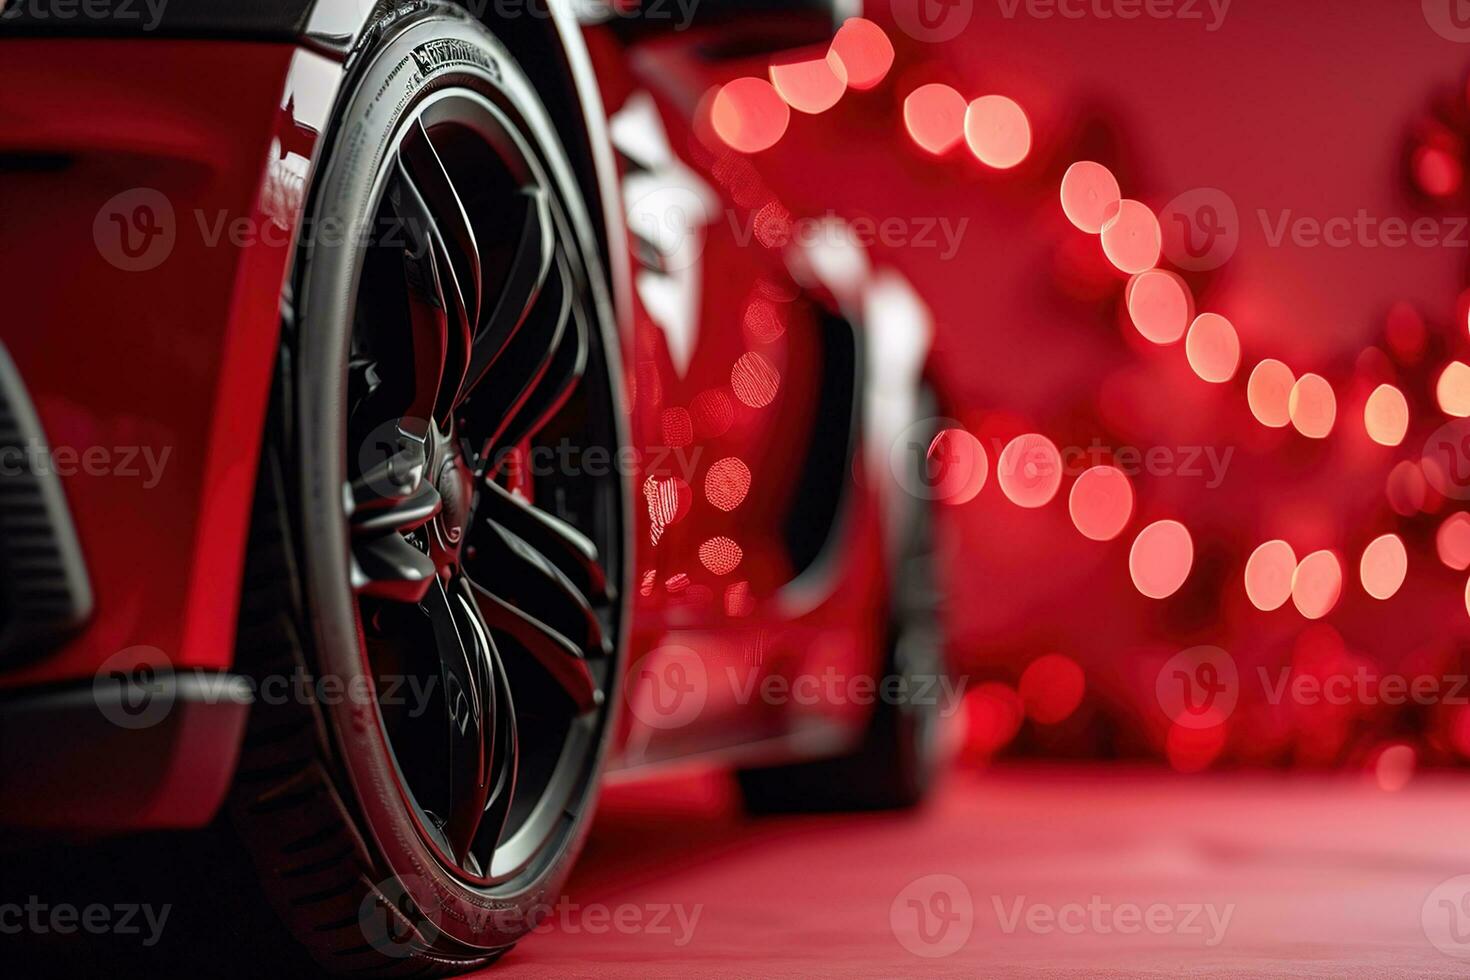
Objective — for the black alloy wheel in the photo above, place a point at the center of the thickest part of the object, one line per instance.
(419, 544)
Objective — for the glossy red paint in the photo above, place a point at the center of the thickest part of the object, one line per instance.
(164, 340)
(747, 394)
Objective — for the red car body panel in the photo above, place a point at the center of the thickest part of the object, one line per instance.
(178, 359)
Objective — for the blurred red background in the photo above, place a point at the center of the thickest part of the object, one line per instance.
(1282, 112)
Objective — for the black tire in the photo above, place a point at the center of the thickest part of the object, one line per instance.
(325, 799)
(896, 764)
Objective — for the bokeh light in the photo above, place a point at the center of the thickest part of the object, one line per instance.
(1131, 239)
(1383, 567)
(1160, 305)
(1386, 415)
(1394, 767)
(934, 115)
(1317, 584)
(1030, 470)
(726, 483)
(676, 427)
(749, 116)
(810, 86)
(1161, 558)
(957, 466)
(1452, 390)
(754, 380)
(1090, 196)
(1452, 541)
(997, 131)
(1051, 688)
(721, 555)
(713, 413)
(993, 716)
(1269, 393)
(865, 52)
(1268, 574)
(1194, 747)
(1101, 502)
(1313, 406)
(1213, 348)
(1405, 488)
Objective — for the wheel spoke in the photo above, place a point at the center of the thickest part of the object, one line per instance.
(388, 567)
(387, 500)
(465, 662)
(551, 651)
(557, 383)
(433, 282)
(520, 369)
(520, 575)
(571, 550)
(427, 171)
(529, 269)
(506, 761)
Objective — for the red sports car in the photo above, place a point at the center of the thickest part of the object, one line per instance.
(413, 412)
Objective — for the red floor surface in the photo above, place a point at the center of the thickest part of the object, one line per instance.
(1240, 875)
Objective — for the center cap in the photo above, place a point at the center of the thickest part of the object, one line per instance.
(454, 486)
